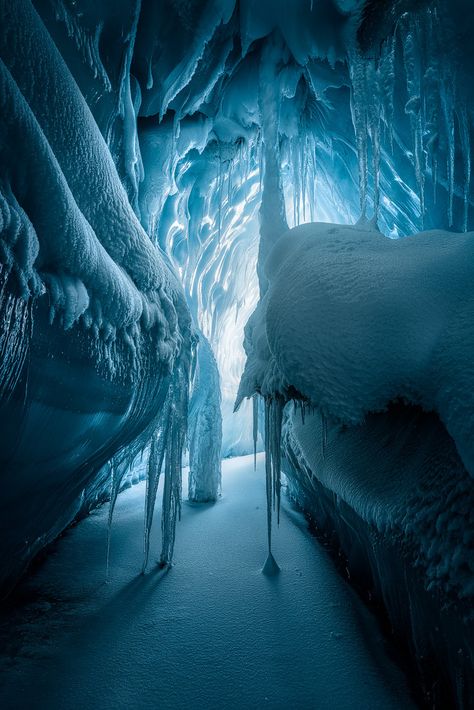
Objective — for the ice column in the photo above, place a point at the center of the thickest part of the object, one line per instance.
(205, 428)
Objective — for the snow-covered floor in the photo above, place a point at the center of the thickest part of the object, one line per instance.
(211, 633)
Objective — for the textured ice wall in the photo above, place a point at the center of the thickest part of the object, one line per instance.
(394, 503)
(93, 320)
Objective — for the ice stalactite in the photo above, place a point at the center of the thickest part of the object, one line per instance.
(465, 140)
(272, 211)
(414, 106)
(154, 469)
(366, 103)
(359, 118)
(86, 41)
(273, 223)
(165, 456)
(119, 465)
(274, 406)
(255, 428)
(414, 75)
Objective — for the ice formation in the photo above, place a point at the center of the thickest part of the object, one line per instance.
(205, 428)
(353, 321)
(171, 171)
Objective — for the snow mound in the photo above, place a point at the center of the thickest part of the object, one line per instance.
(353, 321)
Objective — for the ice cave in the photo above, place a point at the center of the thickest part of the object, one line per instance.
(236, 354)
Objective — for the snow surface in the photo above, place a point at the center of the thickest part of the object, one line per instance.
(212, 632)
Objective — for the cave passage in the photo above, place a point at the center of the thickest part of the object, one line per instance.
(229, 226)
(212, 632)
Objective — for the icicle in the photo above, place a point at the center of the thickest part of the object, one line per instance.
(465, 139)
(387, 83)
(448, 110)
(155, 465)
(86, 42)
(273, 220)
(359, 101)
(277, 414)
(255, 429)
(411, 48)
(173, 469)
(273, 421)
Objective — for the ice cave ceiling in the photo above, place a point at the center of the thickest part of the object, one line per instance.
(369, 110)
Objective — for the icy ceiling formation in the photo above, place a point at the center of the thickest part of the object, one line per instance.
(366, 101)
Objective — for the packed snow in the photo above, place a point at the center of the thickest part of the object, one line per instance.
(211, 632)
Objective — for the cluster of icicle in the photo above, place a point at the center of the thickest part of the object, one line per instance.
(274, 410)
(16, 324)
(87, 42)
(164, 443)
(412, 64)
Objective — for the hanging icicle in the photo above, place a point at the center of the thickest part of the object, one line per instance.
(273, 421)
(255, 429)
(359, 101)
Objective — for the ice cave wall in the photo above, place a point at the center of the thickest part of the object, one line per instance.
(94, 321)
(149, 152)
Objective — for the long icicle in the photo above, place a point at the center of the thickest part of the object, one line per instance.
(155, 466)
(273, 409)
(255, 429)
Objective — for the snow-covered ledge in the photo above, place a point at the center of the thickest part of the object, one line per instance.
(373, 338)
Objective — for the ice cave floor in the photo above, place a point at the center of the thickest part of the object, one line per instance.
(213, 632)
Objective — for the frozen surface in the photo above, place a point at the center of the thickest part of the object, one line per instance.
(212, 632)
